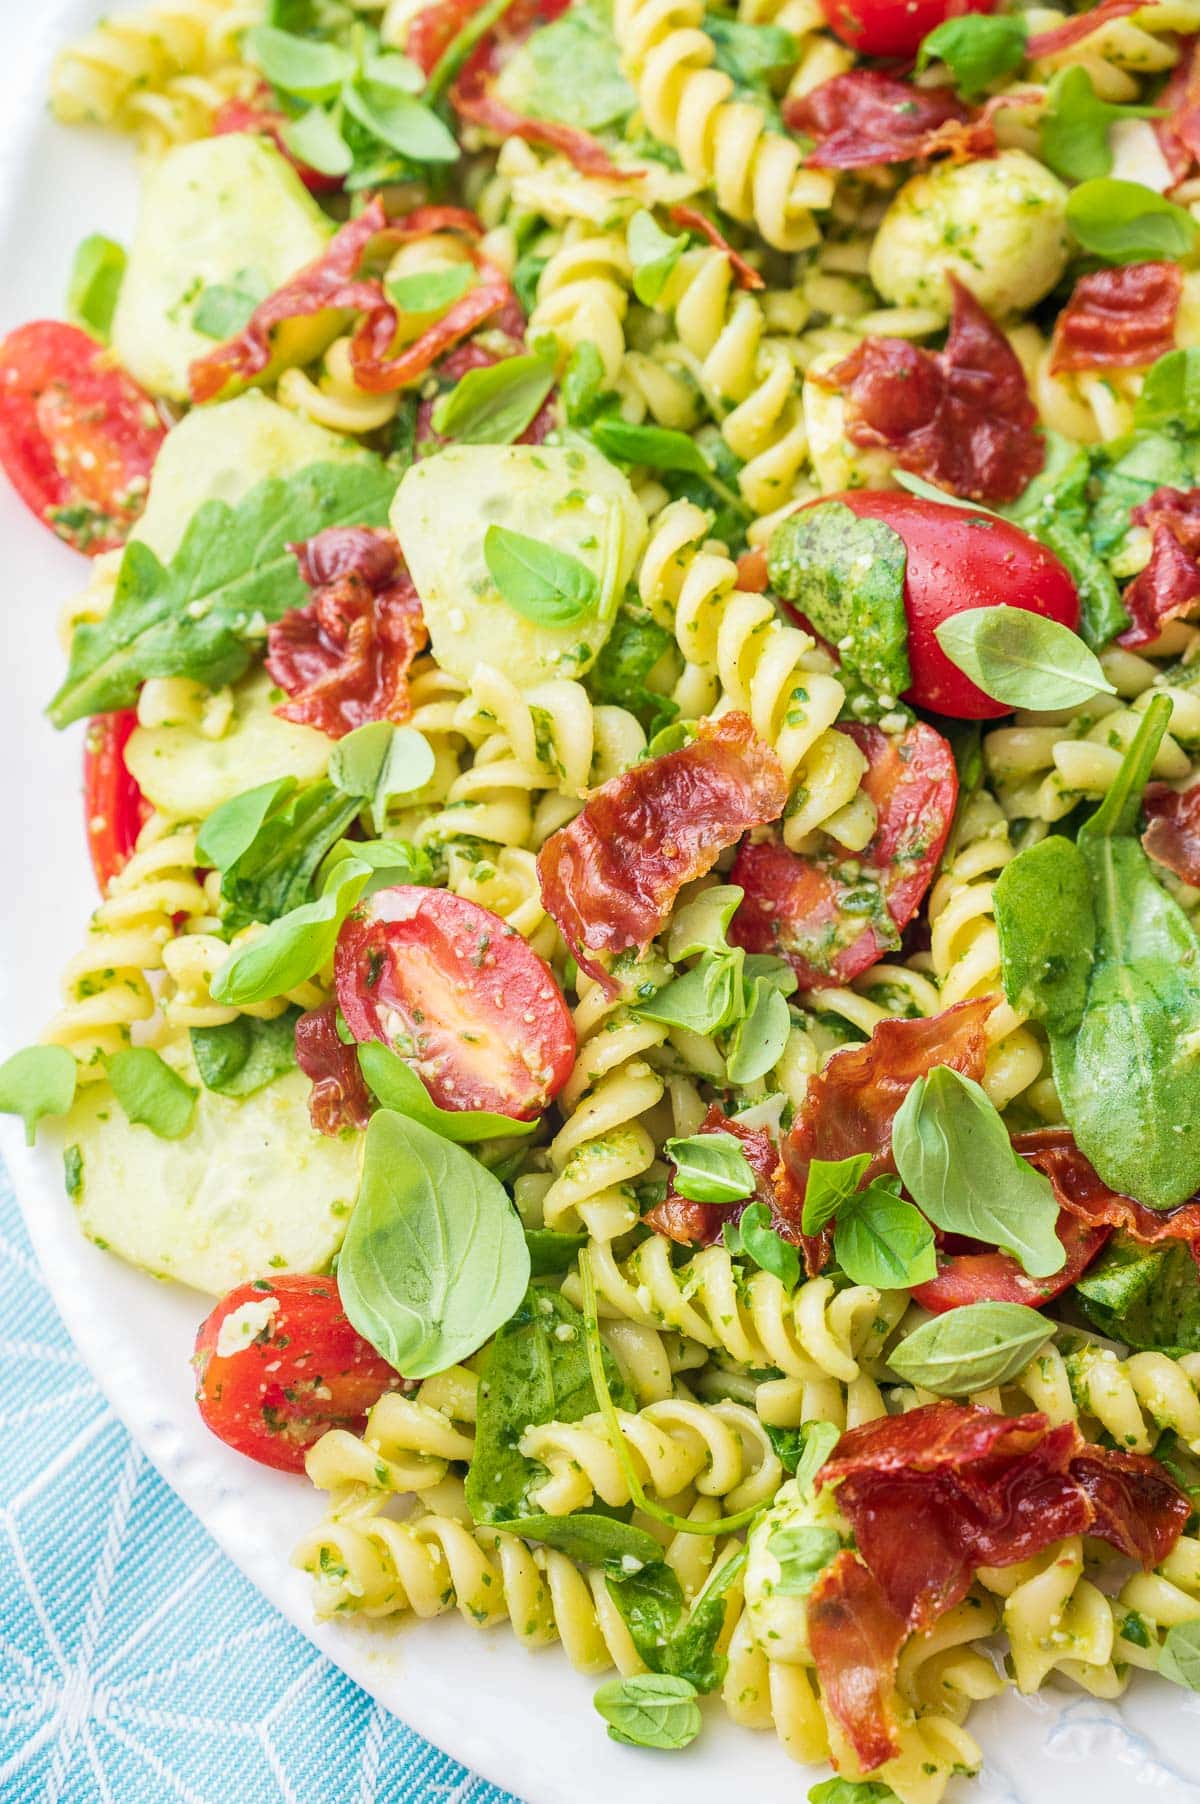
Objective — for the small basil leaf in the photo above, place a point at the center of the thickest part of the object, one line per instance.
(881, 1239)
(654, 255)
(1022, 659)
(314, 139)
(1179, 1660)
(275, 871)
(232, 828)
(971, 1348)
(977, 49)
(298, 65)
(293, 948)
(224, 308)
(1126, 222)
(765, 967)
(1047, 931)
(390, 861)
(547, 586)
(711, 1168)
(846, 575)
(703, 1000)
(703, 924)
(395, 74)
(1171, 393)
(552, 1252)
(397, 1087)
(151, 1094)
(820, 1439)
(591, 1539)
(583, 385)
(657, 447)
(957, 1162)
(1075, 124)
(430, 290)
(650, 1710)
(243, 1055)
(758, 1040)
(403, 124)
(95, 283)
(37, 1081)
(830, 1183)
(494, 406)
(379, 761)
(803, 1554)
(434, 1259)
(769, 1251)
(852, 1791)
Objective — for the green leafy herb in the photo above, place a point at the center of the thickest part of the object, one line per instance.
(398, 1087)
(831, 1182)
(702, 925)
(1047, 932)
(73, 1172)
(803, 1554)
(1148, 1297)
(1075, 124)
(390, 861)
(1101, 615)
(378, 761)
(223, 309)
(296, 946)
(1171, 393)
(273, 872)
(493, 406)
(151, 1094)
(654, 255)
(846, 575)
(570, 72)
(650, 1710)
(820, 1439)
(752, 54)
(852, 1791)
(758, 1040)
(880, 1239)
(1125, 222)
(298, 65)
(710, 1168)
(634, 649)
(971, 1348)
(430, 290)
(200, 615)
(1022, 659)
(434, 1260)
(978, 49)
(1179, 1660)
(582, 387)
(552, 1251)
(243, 1055)
(668, 1638)
(660, 448)
(37, 1081)
(754, 1236)
(547, 586)
(315, 138)
(404, 124)
(704, 1000)
(590, 1538)
(957, 1162)
(95, 284)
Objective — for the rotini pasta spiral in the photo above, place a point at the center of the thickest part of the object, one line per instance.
(407, 1445)
(1153, 1603)
(583, 294)
(1133, 1399)
(1056, 1620)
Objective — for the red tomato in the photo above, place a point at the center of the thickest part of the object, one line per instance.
(892, 27)
(998, 1278)
(270, 1383)
(78, 436)
(454, 990)
(115, 810)
(816, 910)
(957, 561)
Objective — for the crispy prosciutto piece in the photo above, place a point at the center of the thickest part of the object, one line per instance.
(1073, 31)
(344, 658)
(1172, 836)
(693, 220)
(866, 117)
(1118, 318)
(988, 1276)
(610, 878)
(684, 1220)
(855, 1637)
(1170, 582)
(1138, 1508)
(338, 1098)
(1178, 131)
(962, 417)
(1080, 1190)
(816, 910)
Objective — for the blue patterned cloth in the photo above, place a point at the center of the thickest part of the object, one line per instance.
(136, 1664)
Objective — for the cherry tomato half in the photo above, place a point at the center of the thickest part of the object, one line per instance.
(893, 27)
(957, 561)
(115, 810)
(277, 1363)
(457, 992)
(998, 1278)
(834, 914)
(78, 436)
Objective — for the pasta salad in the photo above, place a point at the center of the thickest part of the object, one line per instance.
(641, 670)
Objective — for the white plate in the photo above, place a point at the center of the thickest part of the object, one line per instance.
(526, 1724)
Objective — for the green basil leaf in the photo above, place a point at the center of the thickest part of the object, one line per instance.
(276, 872)
(395, 74)
(224, 308)
(1075, 124)
(430, 290)
(978, 49)
(1125, 222)
(654, 255)
(846, 575)
(703, 1000)
(551, 1251)
(570, 72)
(702, 925)
(1171, 393)
(1179, 1660)
(650, 1710)
(403, 124)
(710, 1168)
(397, 1087)
(232, 828)
(298, 65)
(95, 283)
(754, 1236)
(669, 1639)
(378, 761)
(315, 140)
(830, 1183)
(434, 1260)
(766, 967)
(758, 1040)
(1047, 932)
(820, 1439)
(1024, 660)
(957, 1162)
(657, 447)
(881, 1239)
(151, 1094)
(853, 1791)
(929, 491)
(547, 586)
(494, 406)
(202, 615)
(591, 1539)
(583, 387)
(803, 1554)
(971, 1348)
(37, 1081)
(293, 948)
(390, 861)
(243, 1055)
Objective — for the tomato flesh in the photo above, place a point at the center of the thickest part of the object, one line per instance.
(965, 1278)
(78, 436)
(115, 810)
(278, 1363)
(458, 994)
(892, 27)
(957, 561)
(834, 914)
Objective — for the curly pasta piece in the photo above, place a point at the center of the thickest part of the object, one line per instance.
(1119, 52)
(407, 1445)
(1056, 1620)
(1153, 1603)
(192, 960)
(1137, 1398)
(1044, 764)
(583, 294)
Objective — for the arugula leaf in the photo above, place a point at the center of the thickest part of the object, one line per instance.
(296, 946)
(978, 49)
(493, 406)
(95, 284)
(830, 1183)
(398, 1087)
(1171, 392)
(846, 575)
(971, 1348)
(37, 1081)
(1101, 614)
(880, 1239)
(547, 586)
(754, 1236)
(1047, 931)
(1075, 124)
(1022, 659)
(650, 1710)
(243, 1055)
(201, 615)
(1148, 1297)
(634, 649)
(654, 255)
(710, 1168)
(150, 1092)
(378, 761)
(1126, 222)
(1128, 474)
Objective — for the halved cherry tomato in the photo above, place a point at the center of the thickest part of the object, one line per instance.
(956, 561)
(998, 1278)
(457, 992)
(893, 27)
(833, 914)
(78, 436)
(115, 810)
(277, 1363)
